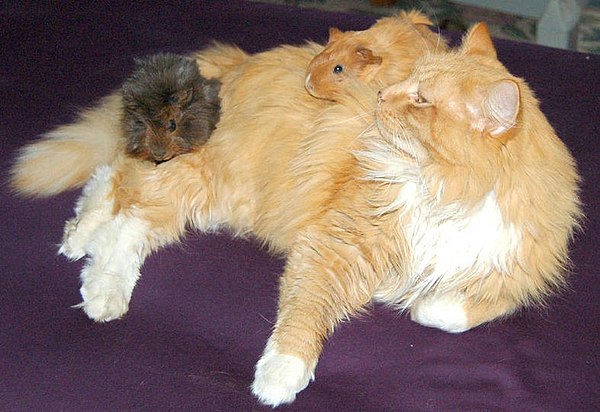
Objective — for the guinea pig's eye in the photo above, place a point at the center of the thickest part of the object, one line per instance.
(338, 69)
(172, 125)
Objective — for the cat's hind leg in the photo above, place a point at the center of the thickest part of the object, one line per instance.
(460, 310)
(446, 312)
(150, 209)
(114, 245)
(112, 269)
(93, 208)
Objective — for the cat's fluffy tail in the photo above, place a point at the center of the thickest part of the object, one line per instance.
(216, 60)
(66, 157)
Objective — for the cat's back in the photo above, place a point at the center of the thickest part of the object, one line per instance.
(271, 78)
(282, 152)
(266, 110)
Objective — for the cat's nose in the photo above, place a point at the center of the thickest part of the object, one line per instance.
(380, 97)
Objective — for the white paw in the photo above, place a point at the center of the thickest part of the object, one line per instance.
(72, 246)
(94, 208)
(105, 298)
(445, 312)
(279, 377)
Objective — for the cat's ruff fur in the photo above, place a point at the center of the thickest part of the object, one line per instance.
(380, 55)
(356, 212)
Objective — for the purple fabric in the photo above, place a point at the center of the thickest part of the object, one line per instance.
(203, 310)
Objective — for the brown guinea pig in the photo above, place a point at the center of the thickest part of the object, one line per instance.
(384, 53)
(169, 108)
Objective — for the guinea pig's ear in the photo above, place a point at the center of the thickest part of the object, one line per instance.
(188, 71)
(334, 34)
(210, 89)
(366, 56)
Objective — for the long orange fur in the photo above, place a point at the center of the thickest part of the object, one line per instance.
(291, 178)
(315, 181)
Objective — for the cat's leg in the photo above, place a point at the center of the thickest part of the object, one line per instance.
(445, 311)
(151, 208)
(460, 310)
(93, 208)
(107, 240)
(323, 284)
(112, 269)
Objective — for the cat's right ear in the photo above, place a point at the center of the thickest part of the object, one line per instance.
(478, 41)
(334, 34)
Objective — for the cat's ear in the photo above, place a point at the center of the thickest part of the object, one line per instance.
(366, 56)
(416, 17)
(501, 107)
(334, 34)
(478, 41)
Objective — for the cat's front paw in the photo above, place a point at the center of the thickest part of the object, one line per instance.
(280, 377)
(445, 312)
(72, 246)
(104, 297)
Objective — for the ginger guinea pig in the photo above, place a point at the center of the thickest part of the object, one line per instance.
(384, 53)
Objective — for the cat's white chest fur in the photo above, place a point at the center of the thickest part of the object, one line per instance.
(448, 245)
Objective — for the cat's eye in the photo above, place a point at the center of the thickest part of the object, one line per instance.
(172, 125)
(338, 69)
(418, 100)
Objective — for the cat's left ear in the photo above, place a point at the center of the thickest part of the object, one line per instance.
(500, 107)
(478, 41)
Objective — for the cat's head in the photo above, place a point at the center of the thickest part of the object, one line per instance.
(456, 107)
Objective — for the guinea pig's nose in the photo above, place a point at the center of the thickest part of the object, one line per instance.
(159, 153)
(379, 97)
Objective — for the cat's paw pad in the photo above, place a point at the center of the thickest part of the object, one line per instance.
(279, 378)
(72, 246)
(103, 300)
(444, 312)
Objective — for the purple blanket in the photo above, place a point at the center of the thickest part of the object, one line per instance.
(203, 310)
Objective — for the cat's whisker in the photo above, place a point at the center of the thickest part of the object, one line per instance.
(423, 39)
(353, 118)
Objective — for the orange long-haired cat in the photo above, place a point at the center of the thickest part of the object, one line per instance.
(448, 195)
